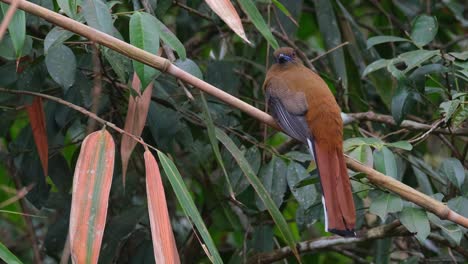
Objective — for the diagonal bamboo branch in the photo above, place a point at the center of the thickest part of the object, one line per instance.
(421, 199)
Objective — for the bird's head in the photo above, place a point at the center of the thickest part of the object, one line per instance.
(285, 55)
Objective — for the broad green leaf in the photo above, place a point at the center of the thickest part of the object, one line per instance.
(17, 29)
(352, 143)
(385, 204)
(189, 207)
(363, 154)
(374, 66)
(423, 180)
(424, 30)
(416, 221)
(451, 231)
(459, 205)
(259, 189)
(170, 39)
(416, 58)
(69, 7)
(449, 108)
(273, 177)
(56, 37)
(120, 64)
(400, 103)
(401, 145)
(460, 116)
(307, 195)
(384, 161)
(7, 256)
(61, 64)
(254, 15)
(454, 171)
(143, 36)
(7, 50)
(98, 16)
(460, 55)
(328, 25)
(383, 39)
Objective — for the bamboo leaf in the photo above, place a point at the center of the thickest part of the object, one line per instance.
(135, 120)
(7, 256)
(259, 189)
(91, 186)
(164, 246)
(17, 29)
(187, 204)
(226, 11)
(38, 125)
(254, 15)
(143, 36)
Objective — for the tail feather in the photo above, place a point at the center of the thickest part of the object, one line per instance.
(337, 196)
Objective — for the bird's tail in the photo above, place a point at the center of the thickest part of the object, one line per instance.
(337, 198)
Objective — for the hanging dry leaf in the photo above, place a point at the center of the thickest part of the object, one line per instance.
(135, 121)
(37, 119)
(164, 246)
(226, 11)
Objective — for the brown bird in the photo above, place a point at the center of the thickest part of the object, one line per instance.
(304, 107)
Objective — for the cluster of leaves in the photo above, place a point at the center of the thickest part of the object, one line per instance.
(236, 188)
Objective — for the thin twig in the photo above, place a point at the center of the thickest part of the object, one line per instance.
(329, 51)
(423, 136)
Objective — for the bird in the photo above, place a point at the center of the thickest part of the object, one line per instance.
(304, 107)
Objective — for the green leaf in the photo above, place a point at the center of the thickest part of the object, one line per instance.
(416, 221)
(7, 256)
(383, 39)
(273, 176)
(454, 171)
(400, 103)
(415, 58)
(374, 66)
(449, 108)
(385, 204)
(187, 204)
(7, 50)
(424, 30)
(17, 29)
(451, 231)
(363, 154)
(69, 7)
(254, 15)
(422, 178)
(170, 39)
(384, 161)
(56, 37)
(119, 63)
(401, 145)
(61, 64)
(98, 16)
(307, 195)
(259, 189)
(328, 25)
(143, 36)
(460, 116)
(214, 142)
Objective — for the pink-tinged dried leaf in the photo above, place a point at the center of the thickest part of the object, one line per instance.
(135, 121)
(37, 119)
(226, 11)
(164, 246)
(91, 186)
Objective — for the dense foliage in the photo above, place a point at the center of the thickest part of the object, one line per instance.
(401, 74)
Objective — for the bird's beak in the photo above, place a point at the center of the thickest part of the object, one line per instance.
(283, 58)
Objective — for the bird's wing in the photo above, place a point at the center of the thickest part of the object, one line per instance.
(288, 107)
